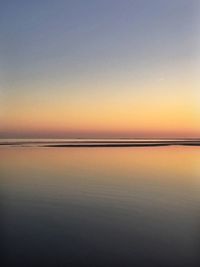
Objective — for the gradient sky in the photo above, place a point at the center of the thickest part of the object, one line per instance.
(99, 68)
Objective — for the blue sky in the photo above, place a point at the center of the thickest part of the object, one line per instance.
(97, 49)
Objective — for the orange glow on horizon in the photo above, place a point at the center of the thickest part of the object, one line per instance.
(161, 114)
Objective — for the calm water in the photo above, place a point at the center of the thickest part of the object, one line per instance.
(135, 206)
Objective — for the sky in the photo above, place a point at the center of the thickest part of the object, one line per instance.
(99, 68)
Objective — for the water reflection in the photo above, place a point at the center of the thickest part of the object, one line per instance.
(100, 206)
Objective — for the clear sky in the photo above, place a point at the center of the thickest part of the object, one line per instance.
(99, 68)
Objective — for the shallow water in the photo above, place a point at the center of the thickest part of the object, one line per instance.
(135, 206)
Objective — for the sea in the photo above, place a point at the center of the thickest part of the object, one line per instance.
(100, 202)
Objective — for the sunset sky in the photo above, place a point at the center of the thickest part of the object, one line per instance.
(99, 68)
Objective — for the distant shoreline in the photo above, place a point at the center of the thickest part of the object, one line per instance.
(101, 143)
(105, 145)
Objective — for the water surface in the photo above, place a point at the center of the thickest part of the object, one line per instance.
(100, 206)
